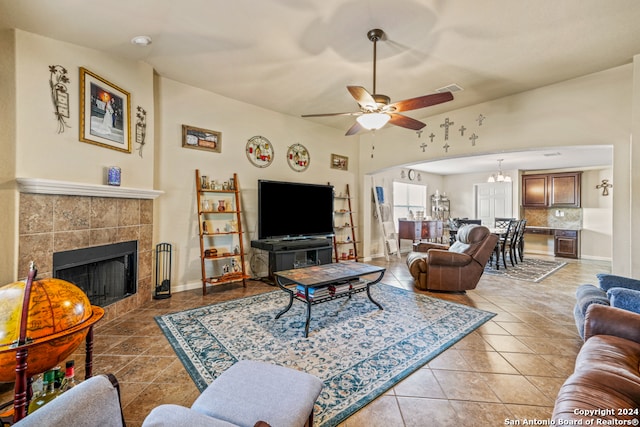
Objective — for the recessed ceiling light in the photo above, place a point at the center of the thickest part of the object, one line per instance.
(141, 40)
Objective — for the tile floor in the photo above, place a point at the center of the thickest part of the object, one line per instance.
(510, 368)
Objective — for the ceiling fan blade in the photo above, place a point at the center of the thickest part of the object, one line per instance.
(331, 114)
(406, 122)
(357, 127)
(362, 97)
(421, 102)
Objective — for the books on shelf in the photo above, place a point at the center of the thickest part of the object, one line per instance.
(316, 293)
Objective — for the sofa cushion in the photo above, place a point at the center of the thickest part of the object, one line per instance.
(606, 376)
(174, 415)
(585, 296)
(589, 294)
(616, 355)
(251, 391)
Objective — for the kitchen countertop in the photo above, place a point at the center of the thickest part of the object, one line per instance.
(538, 227)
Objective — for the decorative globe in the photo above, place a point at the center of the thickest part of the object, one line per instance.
(59, 318)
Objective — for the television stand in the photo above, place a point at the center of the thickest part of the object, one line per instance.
(287, 254)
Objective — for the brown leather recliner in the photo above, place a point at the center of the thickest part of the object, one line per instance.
(604, 388)
(454, 268)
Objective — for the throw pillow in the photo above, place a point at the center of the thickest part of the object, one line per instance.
(463, 232)
(627, 299)
(459, 247)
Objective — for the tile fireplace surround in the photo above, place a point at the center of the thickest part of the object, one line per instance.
(87, 215)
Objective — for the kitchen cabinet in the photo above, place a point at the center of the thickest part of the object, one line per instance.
(534, 191)
(551, 190)
(566, 243)
(565, 190)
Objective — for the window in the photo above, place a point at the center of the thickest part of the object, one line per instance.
(408, 197)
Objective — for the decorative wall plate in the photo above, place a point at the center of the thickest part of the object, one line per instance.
(298, 157)
(259, 151)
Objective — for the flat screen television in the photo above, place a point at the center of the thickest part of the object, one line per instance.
(294, 210)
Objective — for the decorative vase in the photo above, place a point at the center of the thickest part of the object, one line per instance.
(221, 206)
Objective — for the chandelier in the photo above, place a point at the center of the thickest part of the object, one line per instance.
(499, 177)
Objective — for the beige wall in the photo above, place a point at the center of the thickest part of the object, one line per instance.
(44, 153)
(589, 110)
(594, 109)
(8, 195)
(175, 167)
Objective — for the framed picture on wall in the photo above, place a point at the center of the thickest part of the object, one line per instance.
(104, 113)
(339, 162)
(201, 139)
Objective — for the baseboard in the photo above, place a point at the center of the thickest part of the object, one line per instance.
(187, 286)
(596, 258)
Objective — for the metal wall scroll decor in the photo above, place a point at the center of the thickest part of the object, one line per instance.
(259, 151)
(605, 185)
(58, 81)
(141, 128)
(298, 157)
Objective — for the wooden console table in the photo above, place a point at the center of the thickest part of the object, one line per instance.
(417, 230)
(345, 278)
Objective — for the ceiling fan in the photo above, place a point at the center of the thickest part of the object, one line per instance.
(376, 110)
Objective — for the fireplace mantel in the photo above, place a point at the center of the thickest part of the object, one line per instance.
(48, 186)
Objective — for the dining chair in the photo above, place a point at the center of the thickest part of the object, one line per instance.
(512, 242)
(502, 222)
(520, 240)
(504, 243)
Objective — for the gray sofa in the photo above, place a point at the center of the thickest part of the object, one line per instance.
(612, 290)
(249, 394)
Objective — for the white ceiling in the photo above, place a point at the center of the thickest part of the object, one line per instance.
(297, 56)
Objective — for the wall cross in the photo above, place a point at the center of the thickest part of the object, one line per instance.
(605, 187)
(446, 125)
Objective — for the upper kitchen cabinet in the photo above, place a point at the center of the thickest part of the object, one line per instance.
(565, 189)
(551, 190)
(534, 191)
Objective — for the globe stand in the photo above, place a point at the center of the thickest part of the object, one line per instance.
(64, 342)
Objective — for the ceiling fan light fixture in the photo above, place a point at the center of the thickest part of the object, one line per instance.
(141, 41)
(373, 121)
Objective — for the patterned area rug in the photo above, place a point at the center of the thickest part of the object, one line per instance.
(531, 269)
(357, 350)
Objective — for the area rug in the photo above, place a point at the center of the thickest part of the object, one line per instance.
(531, 269)
(356, 349)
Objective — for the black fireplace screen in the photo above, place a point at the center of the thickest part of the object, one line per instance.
(105, 273)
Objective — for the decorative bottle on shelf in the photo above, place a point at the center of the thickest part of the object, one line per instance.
(47, 395)
(69, 380)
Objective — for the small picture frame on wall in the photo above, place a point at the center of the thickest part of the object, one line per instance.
(104, 113)
(201, 139)
(339, 162)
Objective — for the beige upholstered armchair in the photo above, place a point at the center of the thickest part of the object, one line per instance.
(454, 268)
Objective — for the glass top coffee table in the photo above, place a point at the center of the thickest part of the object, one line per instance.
(326, 282)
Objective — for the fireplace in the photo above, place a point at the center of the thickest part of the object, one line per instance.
(107, 273)
(57, 216)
